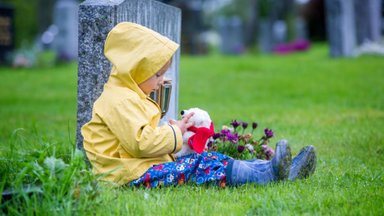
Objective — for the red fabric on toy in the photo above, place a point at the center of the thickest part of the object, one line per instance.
(198, 140)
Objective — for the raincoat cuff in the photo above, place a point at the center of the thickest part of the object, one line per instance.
(178, 137)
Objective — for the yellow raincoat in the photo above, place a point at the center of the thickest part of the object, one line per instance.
(123, 138)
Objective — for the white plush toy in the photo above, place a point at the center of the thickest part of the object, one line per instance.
(196, 138)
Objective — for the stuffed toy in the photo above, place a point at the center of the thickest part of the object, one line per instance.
(196, 138)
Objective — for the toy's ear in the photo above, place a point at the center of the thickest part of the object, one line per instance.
(192, 119)
(204, 120)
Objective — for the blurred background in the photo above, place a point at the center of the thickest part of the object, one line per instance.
(44, 32)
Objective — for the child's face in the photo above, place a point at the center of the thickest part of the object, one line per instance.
(155, 81)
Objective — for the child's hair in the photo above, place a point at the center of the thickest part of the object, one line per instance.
(164, 68)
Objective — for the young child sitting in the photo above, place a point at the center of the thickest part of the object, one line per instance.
(124, 142)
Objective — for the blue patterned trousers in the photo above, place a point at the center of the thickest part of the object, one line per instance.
(207, 167)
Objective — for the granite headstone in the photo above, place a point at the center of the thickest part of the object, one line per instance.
(341, 27)
(265, 37)
(96, 19)
(368, 21)
(231, 34)
(66, 18)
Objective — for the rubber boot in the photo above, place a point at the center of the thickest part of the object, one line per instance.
(261, 171)
(304, 164)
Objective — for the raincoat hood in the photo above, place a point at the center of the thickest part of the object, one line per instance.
(136, 54)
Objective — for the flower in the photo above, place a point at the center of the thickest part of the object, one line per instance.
(180, 167)
(233, 143)
(233, 138)
(209, 145)
(216, 136)
(240, 148)
(254, 125)
(269, 152)
(235, 124)
(246, 137)
(170, 178)
(225, 131)
(227, 128)
(268, 133)
(250, 148)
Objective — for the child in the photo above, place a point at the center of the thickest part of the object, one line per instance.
(124, 142)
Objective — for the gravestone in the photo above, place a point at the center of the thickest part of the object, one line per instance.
(280, 31)
(65, 18)
(301, 28)
(268, 11)
(231, 34)
(341, 27)
(265, 38)
(6, 31)
(368, 21)
(96, 19)
(192, 26)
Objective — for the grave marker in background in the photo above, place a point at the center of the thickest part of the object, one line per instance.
(65, 18)
(232, 37)
(341, 27)
(350, 23)
(368, 21)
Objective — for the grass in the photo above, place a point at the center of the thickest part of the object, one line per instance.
(308, 98)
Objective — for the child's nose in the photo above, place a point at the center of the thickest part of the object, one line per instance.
(161, 82)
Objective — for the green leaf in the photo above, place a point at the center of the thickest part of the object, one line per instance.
(55, 165)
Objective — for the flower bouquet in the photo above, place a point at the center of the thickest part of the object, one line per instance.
(236, 142)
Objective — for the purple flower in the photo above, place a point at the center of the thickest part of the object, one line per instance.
(254, 125)
(268, 133)
(268, 151)
(235, 124)
(244, 125)
(216, 136)
(250, 148)
(233, 138)
(285, 48)
(210, 143)
(301, 45)
(240, 148)
(225, 131)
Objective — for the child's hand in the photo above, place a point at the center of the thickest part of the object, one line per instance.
(184, 123)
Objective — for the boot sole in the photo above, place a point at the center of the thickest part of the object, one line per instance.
(284, 165)
(308, 168)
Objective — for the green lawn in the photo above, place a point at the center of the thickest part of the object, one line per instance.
(307, 98)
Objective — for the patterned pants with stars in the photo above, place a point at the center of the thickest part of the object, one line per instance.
(207, 167)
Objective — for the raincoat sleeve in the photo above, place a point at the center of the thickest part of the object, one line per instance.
(141, 137)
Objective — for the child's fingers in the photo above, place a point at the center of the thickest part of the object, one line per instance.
(188, 116)
(189, 124)
(171, 121)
